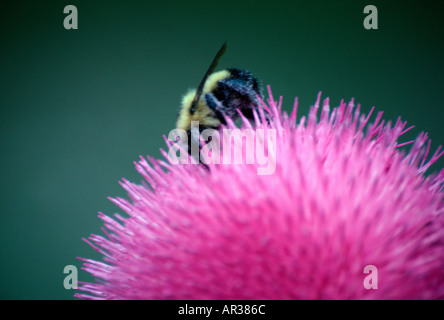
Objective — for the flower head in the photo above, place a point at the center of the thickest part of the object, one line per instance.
(343, 196)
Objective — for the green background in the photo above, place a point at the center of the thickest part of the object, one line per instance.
(79, 106)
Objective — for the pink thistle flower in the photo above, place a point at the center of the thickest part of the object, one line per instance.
(343, 196)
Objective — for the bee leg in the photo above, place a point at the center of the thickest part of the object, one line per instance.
(217, 107)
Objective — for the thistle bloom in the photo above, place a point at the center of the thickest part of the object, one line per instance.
(343, 196)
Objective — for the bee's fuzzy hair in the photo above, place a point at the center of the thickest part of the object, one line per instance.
(203, 114)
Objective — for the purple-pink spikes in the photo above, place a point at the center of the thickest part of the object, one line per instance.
(345, 196)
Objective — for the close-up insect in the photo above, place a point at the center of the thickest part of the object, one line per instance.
(144, 161)
(220, 94)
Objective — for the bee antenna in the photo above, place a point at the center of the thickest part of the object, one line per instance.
(210, 70)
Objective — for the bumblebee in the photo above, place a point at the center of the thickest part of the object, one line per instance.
(219, 95)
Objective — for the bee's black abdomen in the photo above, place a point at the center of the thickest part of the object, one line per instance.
(251, 81)
(237, 92)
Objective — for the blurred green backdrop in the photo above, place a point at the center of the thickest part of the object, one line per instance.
(79, 106)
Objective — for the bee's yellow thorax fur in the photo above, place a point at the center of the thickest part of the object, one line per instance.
(203, 113)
